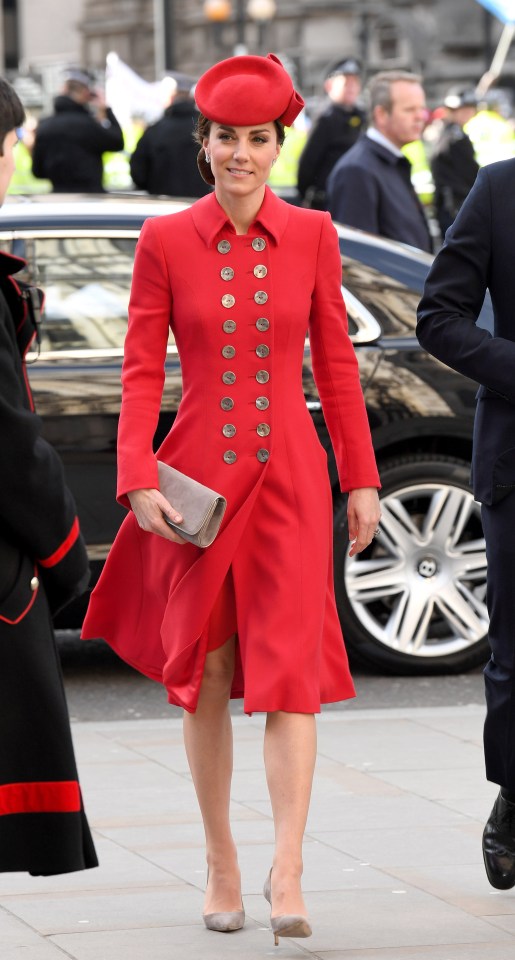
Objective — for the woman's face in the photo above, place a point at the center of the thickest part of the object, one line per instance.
(241, 157)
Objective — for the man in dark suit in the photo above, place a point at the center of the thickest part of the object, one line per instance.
(370, 186)
(478, 255)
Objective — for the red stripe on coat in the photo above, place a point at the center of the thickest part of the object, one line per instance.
(64, 548)
(45, 797)
(24, 612)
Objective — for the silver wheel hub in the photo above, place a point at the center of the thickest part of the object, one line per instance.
(420, 588)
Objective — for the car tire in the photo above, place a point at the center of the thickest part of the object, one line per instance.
(414, 602)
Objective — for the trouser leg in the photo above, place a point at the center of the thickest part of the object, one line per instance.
(499, 730)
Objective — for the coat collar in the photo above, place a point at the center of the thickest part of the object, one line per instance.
(211, 220)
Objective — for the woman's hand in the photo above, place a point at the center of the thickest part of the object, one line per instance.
(363, 515)
(148, 507)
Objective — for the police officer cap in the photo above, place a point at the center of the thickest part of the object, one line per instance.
(349, 66)
(79, 76)
(243, 91)
(460, 97)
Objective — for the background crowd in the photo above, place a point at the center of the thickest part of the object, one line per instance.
(355, 149)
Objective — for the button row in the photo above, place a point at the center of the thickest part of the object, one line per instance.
(262, 324)
(231, 457)
(228, 300)
(262, 351)
(262, 429)
(258, 244)
(262, 403)
(260, 271)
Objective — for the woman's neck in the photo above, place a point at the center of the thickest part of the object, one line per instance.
(242, 211)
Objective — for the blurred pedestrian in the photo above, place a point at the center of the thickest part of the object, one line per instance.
(453, 163)
(43, 565)
(478, 255)
(333, 133)
(68, 146)
(165, 158)
(240, 276)
(370, 187)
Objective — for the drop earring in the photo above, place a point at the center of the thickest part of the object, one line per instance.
(208, 158)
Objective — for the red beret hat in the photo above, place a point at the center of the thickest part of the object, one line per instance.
(243, 91)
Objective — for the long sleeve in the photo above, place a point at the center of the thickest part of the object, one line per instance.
(37, 511)
(454, 292)
(336, 373)
(143, 372)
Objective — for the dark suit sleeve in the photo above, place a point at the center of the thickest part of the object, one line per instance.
(38, 159)
(453, 296)
(353, 197)
(107, 136)
(37, 511)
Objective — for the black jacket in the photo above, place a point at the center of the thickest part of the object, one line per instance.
(69, 145)
(370, 188)
(454, 169)
(333, 133)
(165, 158)
(43, 826)
(478, 255)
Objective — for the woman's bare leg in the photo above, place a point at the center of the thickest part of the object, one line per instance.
(208, 742)
(290, 754)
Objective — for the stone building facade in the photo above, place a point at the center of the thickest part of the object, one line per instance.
(446, 41)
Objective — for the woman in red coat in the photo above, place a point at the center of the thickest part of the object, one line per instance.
(240, 277)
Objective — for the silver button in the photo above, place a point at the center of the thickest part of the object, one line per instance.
(262, 350)
(227, 273)
(229, 377)
(228, 352)
(230, 456)
(229, 326)
(261, 296)
(227, 403)
(263, 429)
(262, 376)
(228, 429)
(262, 324)
(34, 584)
(258, 244)
(223, 247)
(263, 455)
(260, 271)
(228, 300)
(262, 403)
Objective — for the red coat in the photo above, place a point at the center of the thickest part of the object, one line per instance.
(154, 598)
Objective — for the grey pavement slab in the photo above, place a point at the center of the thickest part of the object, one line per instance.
(392, 858)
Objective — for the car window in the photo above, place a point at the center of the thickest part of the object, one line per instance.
(86, 281)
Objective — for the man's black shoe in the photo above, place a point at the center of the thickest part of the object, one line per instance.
(499, 844)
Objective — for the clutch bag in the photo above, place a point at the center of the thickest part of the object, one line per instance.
(202, 509)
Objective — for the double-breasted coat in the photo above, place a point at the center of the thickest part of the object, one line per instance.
(43, 564)
(239, 308)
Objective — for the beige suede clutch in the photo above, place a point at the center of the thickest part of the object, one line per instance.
(202, 509)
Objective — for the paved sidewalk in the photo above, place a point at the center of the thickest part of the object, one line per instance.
(393, 867)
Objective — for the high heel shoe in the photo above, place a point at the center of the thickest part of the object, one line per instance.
(225, 921)
(287, 924)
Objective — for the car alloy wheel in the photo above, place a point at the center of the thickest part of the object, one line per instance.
(415, 600)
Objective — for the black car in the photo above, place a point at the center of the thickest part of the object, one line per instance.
(414, 602)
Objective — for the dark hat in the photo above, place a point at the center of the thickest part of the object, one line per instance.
(243, 91)
(460, 97)
(349, 66)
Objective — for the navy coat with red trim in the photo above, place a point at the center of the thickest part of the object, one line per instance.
(38, 517)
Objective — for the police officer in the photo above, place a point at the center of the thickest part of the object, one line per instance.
(333, 133)
(453, 163)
